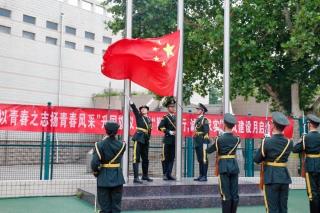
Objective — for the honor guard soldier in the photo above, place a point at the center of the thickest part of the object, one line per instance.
(227, 168)
(168, 127)
(201, 141)
(310, 147)
(141, 140)
(273, 156)
(106, 167)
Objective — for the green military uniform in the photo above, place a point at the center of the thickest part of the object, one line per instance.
(168, 125)
(228, 169)
(141, 143)
(201, 141)
(273, 154)
(106, 167)
(310, 146)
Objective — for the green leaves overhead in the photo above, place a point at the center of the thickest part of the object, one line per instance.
(273, 44)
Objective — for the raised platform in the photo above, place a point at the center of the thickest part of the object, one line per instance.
(174, 195)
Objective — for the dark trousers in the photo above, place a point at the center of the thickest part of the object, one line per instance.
(228, 184)
(109, 199)
(313, 191)
(168, 156)
(229, 187)
(276, 197)
(201, 152)
(141, 150)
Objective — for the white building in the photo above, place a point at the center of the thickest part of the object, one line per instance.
(51, 50)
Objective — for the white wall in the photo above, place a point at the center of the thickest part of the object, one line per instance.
(29, 70)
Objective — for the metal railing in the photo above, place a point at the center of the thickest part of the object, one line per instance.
(37, 156)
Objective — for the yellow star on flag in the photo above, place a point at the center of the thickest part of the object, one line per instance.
(168, 49)
(156, 58)
(163, 63)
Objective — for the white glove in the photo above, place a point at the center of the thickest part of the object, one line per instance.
(220, 131)
(172, 132)
(130, 100)
(267, 135)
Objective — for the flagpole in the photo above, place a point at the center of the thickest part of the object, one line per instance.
(179, 138)
(226, 57)
(127, 88)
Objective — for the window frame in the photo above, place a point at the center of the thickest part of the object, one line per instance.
(54, 23)
(25, 16)
(5, 10)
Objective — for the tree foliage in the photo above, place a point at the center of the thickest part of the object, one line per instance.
(273, 44)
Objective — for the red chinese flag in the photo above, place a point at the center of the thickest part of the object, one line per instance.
(151, 63)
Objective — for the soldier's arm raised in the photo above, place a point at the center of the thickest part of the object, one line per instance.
(212, 148)
(135, 110)
(298, 147)
(260, 154)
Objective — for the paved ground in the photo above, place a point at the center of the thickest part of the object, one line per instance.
(297, 204)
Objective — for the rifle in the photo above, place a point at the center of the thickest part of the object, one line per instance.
(265, 136)
(220, 132)
(303, 154)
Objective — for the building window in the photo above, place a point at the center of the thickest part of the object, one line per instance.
(86, 5)
(50, 40)
(73, 2)
(5, 12)
(52, 25)
(89, 49)
(99, 9)
(69, 44)
(29, 19)
(107, 40)
(5, 29)
(71, 30)
(28, 35)
(89, 35)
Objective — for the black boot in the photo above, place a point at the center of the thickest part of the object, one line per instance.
(145, 168)
(314, 206)
(164, 170)
(200, 172)
(226, 206)
(169, 171)
(136, 173)
(163, 163)
(234, 206)
(204, 172)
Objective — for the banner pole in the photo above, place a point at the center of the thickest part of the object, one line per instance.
(179, 93)
(127, 88)
(226, 57)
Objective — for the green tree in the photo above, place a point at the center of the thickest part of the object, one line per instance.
(273, 45)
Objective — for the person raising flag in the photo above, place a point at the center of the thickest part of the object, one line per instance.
(141, 140)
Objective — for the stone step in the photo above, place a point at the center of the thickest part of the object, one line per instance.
(183, 189)
(174, 195)
(179, 201)
(185, 201)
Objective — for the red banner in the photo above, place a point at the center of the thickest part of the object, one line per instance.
(85, 120)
